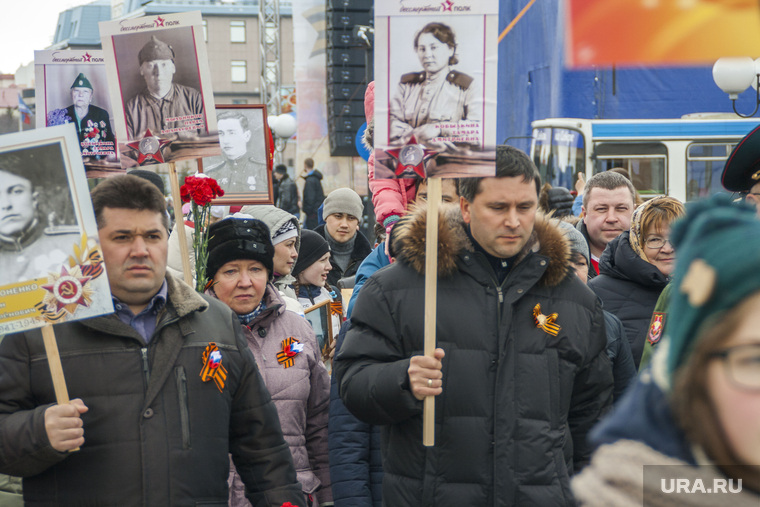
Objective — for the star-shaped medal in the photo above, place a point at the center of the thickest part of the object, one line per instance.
(411, 159)
(149, 146)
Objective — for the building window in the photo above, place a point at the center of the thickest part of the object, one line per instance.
(237, 31)
(205, 30)
(239, 72)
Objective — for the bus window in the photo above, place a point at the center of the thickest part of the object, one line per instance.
(646, 164)
(558, 153)
(704, 167)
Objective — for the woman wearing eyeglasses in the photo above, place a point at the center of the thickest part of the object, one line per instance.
(697, 409)
(636, 266)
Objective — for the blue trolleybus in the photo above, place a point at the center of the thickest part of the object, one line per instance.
(683, 158)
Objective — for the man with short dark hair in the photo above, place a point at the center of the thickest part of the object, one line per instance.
(287, 198)
(343, 213)
(608, 202)
(166, 108)
(164, 389)
(521, 373)
(241, 171)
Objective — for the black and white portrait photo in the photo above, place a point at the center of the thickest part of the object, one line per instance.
(242, 169)
(160, 85)
(71, 88)
(38, 227)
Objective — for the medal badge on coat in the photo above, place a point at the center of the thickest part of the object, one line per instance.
(656, 325)
(287, 356)
(546, 322)
(213, 369)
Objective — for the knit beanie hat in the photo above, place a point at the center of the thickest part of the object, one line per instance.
(575, 238)
(313, 247)
(282, 225)
(560, 200)
(343, 200)
(234, 239)
(718, 244)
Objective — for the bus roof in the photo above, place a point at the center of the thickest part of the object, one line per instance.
(674, 128)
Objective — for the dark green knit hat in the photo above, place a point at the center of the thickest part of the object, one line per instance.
(717, 243)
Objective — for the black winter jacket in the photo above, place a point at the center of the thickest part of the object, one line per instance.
(517, 402)
(628, 287)
(288, 196)
(313, 194)
(155, 434)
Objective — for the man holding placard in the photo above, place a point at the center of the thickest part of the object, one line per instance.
(520, 374)
(165, 389)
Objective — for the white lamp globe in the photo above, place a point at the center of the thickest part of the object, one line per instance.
(271, 120)
(285, 126)
(734, 74)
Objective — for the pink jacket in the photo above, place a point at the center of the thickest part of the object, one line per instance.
(389, 197)
(301, 394)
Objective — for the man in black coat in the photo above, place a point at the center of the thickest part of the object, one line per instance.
(313, 194)
(287, 193)
(521, 373)
(165, 388)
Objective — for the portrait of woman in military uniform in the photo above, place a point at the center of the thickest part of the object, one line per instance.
(439, 105)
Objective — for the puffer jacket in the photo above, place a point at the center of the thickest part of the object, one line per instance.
(517, 402)
(628, 287)
(300, 392)
(356, 463)
(155, 433)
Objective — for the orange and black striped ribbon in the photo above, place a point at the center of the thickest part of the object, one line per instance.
(49, 315)
(287, 357)
(213, 370)
(546, 322)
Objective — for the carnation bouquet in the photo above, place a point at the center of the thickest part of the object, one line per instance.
(199, 190)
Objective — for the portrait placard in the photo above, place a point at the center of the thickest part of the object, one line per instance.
(51, 266)
(435, 94)
(160, 88)
(71, 87)
(242, 169)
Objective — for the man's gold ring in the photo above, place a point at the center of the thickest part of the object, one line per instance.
(430, 382)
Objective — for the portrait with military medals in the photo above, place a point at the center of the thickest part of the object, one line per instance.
(161, 88)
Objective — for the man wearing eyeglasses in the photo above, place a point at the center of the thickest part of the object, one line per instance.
(742, 170)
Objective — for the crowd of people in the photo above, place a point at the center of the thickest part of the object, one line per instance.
(555, 377)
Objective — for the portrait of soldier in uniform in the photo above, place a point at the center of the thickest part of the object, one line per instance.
(167, 108)
(434, 105)
(242, 169)
(38, 230)
(96, 137)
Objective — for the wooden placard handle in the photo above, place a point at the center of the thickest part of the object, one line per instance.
(431, 299)
(56, 369)
(179, 218)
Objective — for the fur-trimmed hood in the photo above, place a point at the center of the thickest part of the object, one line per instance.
(183, 297)
(408, 243)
